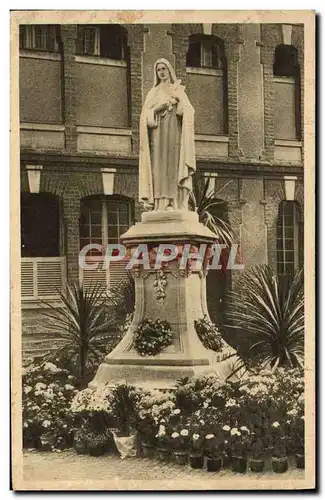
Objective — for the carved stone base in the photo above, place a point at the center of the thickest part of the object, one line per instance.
(182, 301)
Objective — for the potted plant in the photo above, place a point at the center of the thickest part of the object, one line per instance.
(163, 443)
(256, 453)
(146, 429)
(238, 448)
(180, 444)
(279, 459)
(124, 401)
(196, 450)
(213, 449)
(279, 456)
(96, 443)
(80, 440)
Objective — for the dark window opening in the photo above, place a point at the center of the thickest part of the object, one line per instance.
(205, 52)
(40, 225)
(286, 64)
(104, 41)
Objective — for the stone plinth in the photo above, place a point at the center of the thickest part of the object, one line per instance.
(184, 302)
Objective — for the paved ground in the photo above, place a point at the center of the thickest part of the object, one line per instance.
(128, 473)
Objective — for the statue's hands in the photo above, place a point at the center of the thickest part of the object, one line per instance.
(161, 107)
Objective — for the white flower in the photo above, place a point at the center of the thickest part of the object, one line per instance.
(68, 387)
(197, 413)
(275, 424)
(46, 423)
(176, 411)
(226, 428)
(196, 437)
(292, 412)
(209, 436)
(244, 428)
(230, 402)
(25, 425)
(205, 404)
(175, 435)
(234, 431)
(202, 422)
(184, 432)
(27, 389)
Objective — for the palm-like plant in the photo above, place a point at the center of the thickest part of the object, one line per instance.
(206, 203)
(82, 324)
(267, 311)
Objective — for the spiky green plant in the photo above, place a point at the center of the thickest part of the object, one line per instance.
(206, 204)
(267, 312)
(82, 324)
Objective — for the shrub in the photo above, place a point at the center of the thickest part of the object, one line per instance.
(268, 311)
(46, 397)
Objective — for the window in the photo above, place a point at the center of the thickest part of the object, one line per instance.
(40, 225)
(103, 41)
(207, 85)
(103, 221)
(39, 37)
(286, 73)
(289, 237)
(205, 52)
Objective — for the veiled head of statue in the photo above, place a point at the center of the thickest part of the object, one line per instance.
(164, 72)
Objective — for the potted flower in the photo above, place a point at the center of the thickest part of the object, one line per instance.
(213, 449)
(180, 444)
(256, 453)
(163, 443)
(49, 436)
(96, 443)
(238, 446)
(80, 441)
(196, 449)
(279, 456)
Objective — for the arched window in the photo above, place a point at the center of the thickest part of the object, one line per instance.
(287, 97)
(289, 237)
(205, 51)
(108, 41)
(207, 84)
(43, 37)
(103, 219)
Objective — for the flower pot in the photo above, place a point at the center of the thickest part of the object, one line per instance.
(196, 460)
(96, 450)
(80, 444)
(163, 454)
(300, 461)
(48, 441)
(148, 451)
(214, 464)
(256, 464)
(181, 457)
(279, 465)
(239, 464)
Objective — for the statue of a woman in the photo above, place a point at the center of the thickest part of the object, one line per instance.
(167, 149)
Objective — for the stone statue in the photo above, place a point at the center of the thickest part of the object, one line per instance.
(167, 148)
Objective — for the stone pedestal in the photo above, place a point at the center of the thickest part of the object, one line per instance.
(184, 302)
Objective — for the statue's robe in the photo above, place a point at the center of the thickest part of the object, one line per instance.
(167, 148)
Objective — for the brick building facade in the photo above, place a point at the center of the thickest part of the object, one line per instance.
(81, 94)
